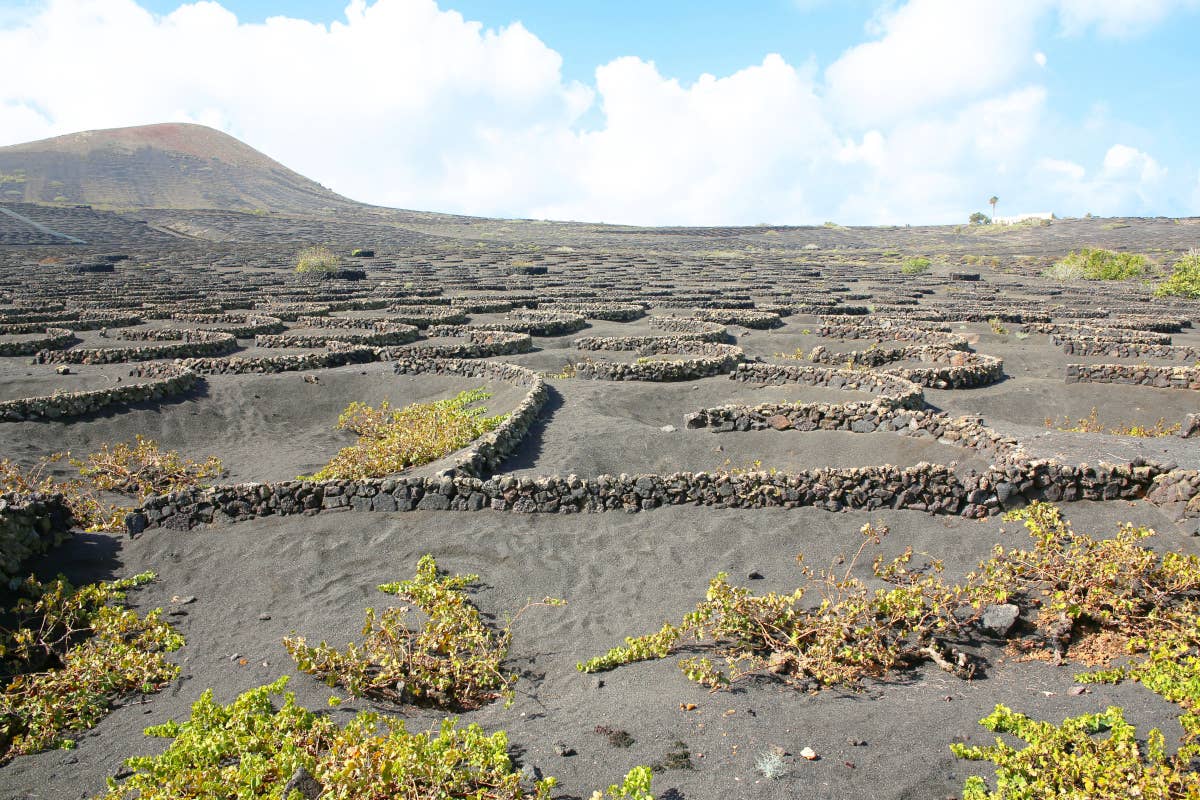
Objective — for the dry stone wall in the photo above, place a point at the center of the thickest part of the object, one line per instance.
(30, 524)
(199, 344)
(1137, 374)
(172, 382)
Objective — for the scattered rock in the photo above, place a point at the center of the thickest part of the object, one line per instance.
(999, 619)
(754, 575)
(63, 370)
(808, 754)
(1190, 426)
(667, 429)
(264, 617)
(564, 749)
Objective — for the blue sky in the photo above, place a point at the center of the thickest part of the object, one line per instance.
(864, 112)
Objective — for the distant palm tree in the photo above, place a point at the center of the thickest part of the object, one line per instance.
(993, 202)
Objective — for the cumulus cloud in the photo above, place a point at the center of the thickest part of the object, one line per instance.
(929, 53)
(408, 104)
(1127, 182)
(1118, 18)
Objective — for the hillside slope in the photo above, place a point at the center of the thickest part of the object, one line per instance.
(172, 165)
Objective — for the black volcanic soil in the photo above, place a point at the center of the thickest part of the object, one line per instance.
(621, 574)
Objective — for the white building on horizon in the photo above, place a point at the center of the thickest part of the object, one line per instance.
(1013, 220)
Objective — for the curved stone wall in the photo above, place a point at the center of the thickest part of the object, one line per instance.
(198, 344)
(173, 382)
(54, 339)
(705, 361)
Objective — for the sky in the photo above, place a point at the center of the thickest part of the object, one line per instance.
(655, 113)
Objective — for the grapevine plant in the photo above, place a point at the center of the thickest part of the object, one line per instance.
(391, 440)
(850, 633)
(453, 660)
(251, 748)
(72, 654)
(1100, 599)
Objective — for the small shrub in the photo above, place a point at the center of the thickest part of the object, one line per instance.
(979, 218)
(1092, 424)
(852, 633)
(1097, 264)
(249, 749)
(1184, 280)
(317, 259)
(390, 441)
(916, 265)
(71, 655)
(1070, 761)
(452, 661)
(1095, 597)
(997, 326)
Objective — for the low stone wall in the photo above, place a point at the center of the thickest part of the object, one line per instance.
(54, 339)
(932, 488)
(541, 323)
(30, 525)
(1109, 334)
(482, 305)
(747, 318)
(290, 312)
(951, 369)
(890, 392)
(478, 344)
(706, 360)
(243, 326)
(237, 365)
(172, 382)
(1178, 488)
(379, 334)
(1099, 346)
(1159, 324)
(200, 344)
(612, 312)
(426, 315)
(896, 333)
(690, 327)
(1137, 374)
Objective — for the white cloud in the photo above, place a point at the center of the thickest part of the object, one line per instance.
(403, 103)
(1117, 18)
(1039, 58)
(929, 53)
(1128, 182)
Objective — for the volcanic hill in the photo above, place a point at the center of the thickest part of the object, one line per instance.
(170, 165)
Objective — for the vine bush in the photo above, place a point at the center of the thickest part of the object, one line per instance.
(1094, 599)
(71, 655)
(317, 259)
(1092, 424)
(853, 631)
(391, 440)
(452, 661)
(1184, 280)
(1098, 264)
(250, 749)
